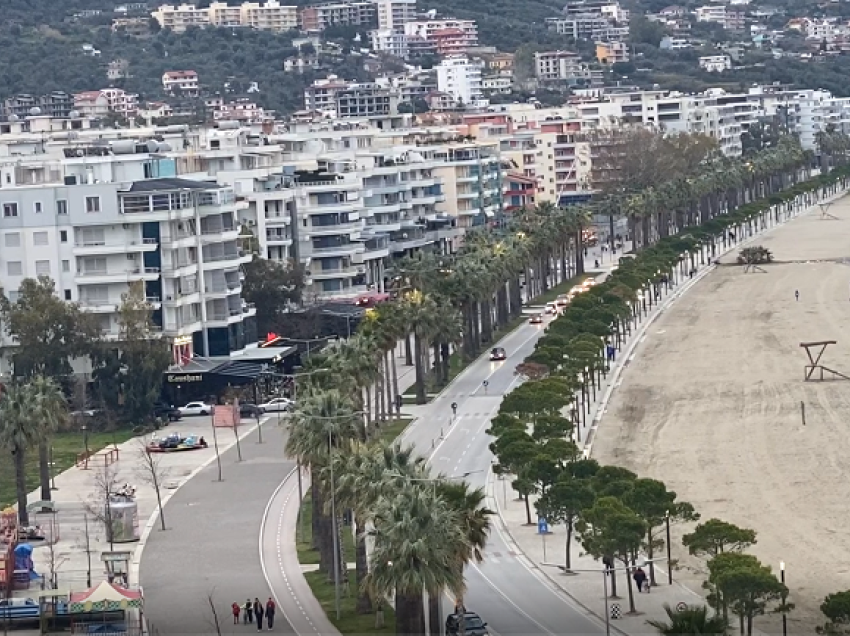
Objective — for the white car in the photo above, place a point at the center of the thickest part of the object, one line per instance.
(195, 408)
(277, 405)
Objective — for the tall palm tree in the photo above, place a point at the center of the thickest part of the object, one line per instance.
(49, 411)
(694, 619)
(421, 312)
(17, 436)
(323, 422)
(417, 542)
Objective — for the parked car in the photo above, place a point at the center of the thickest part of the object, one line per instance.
(165, 411)
(497, 353)
(246, 409)
(472, 625)
(536, 319)
(195, 408)
(276, 405)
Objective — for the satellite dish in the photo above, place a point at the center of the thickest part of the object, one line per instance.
(35, 111)
(314, 147)
(74, 114)
(14, 117)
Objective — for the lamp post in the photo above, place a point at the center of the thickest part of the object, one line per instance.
(669, 557)
(334, 529)
(85, 430)
(784, 598)
(52, 470)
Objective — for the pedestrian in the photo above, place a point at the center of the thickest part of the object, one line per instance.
(248, 616)
(270, 609)
(258, 612)
(640, 579)
(236, 611)
(797, 294)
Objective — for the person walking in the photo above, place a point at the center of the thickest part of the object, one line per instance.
(236, 612)
(640, 579)
(248, 616)
(270, 610)
(258, 612)
(797, 295)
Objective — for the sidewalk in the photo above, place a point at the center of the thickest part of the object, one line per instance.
(547, 552)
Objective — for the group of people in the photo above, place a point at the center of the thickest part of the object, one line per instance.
(254, 610)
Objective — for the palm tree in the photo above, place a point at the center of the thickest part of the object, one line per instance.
(694, 619)
(49, 411)
(17, 436)
(417, 542)
(421, 313)
(323, 422)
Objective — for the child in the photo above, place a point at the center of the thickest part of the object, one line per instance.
(236, 611)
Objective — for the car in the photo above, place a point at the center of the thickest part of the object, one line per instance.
(166, 411)
(563, 300)
(277, 405)
(246, 409)
(551, 308)
(536, 319)
(195, 408)
(497, 353)
(472, 625)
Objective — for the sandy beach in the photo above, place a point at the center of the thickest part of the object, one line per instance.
(711, 406)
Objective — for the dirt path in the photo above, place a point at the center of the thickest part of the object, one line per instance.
(711, 406)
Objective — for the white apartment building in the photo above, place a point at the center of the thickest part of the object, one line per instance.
(502, 84)
(711, 13)
(449, 35)
(597, 28)
(460, 78)
(394, 14)
(270, 15)
(106, 215)
(180, 82)
(107, 100)
(319, 17)
(390, 41)
(715, 63)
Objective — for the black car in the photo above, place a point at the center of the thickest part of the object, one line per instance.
(498, 354)
(472, 625)
(246, 409)
(164, 411)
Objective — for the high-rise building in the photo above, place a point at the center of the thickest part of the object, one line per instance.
(461, 78)
(394, 14)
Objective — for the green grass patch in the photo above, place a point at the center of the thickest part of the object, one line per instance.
(66, 447)
(394, 428)
(350, 622)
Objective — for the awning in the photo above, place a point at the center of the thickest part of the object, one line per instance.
(105, 597)
(238, 370)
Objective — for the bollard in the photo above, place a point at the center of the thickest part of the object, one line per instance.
(432, 443)
(616, 612)
(441, 434)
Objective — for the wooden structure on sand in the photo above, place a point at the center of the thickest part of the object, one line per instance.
(815, 371)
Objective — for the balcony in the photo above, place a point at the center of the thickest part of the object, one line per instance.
(109, 275)
(221, 291)
(345, 249)
(330, 208)
(278, 239)
(219, 235)
(181, 299)
(103, 247)
(231, 259)
(179, 269)
(229, 317)
(333, 230)
(336, 272)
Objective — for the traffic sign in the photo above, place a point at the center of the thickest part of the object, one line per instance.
(542, 525)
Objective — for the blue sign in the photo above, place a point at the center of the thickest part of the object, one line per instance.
(542, 525)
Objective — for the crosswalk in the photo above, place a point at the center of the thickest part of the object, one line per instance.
(496, 557)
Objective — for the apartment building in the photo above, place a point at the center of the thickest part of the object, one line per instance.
(471, 175)
(596, 28)
(715, 63)
(394, 14)
(449, 36)
(105, 215)
(559, 66)
(461, 78)
(55, 104)
(107, 100)
(270, 16)
(340, 99)
(612, 52)
(317, 18)
(180, 83)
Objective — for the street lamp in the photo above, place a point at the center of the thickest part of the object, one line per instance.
(669, 557)
(334, 529)
(784, 598)
(52, 470)
(85, 430)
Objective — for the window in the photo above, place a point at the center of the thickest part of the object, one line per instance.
(15, 268)
(92, 204)
(10, 210)
(95, 265)
(66, 266)
(13, 296)
(12, 239)
(63, 236)
(39, 238)
(89, 236)
(42, 268)
(61, 206)
(67, 292)
(37, 207)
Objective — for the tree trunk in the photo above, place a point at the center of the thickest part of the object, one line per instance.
(408, 353)
(19, 456)
(388, 387)
(527, 510)
(434, 600)
(628, 574)
(321, 525)
(44, 469)
(409, 615)
(438, 372)
(650, 553)
(568, 564)
(445, 354)
(421, 397)
(394, 369)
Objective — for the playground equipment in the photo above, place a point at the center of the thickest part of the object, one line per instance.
(815, 371)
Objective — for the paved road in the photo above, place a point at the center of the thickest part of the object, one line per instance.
(504, 589)
(210, 547)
